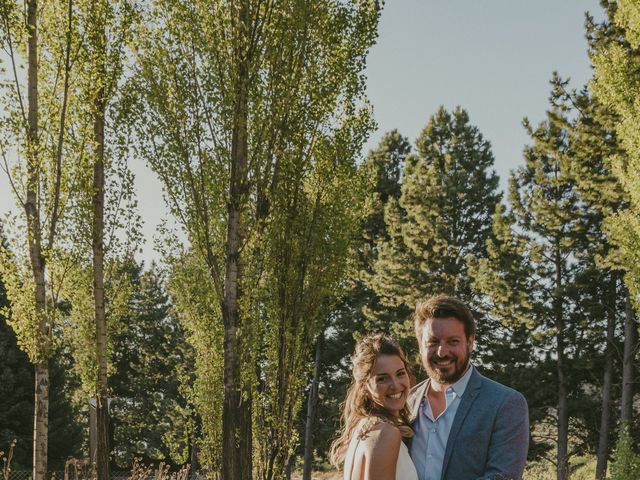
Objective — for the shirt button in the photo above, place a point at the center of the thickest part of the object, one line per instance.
(434, 430)
(429, 456)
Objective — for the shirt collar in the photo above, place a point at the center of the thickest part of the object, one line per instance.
(460, 386)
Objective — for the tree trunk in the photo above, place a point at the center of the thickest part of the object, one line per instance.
(311, 411)
(102, 407)
(236, 413)
(630, 346)
(605, 418)
(34, 234)
(563, 408)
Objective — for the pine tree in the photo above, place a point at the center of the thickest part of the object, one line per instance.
(533, 269)
(448, 196)
(16, 392)
(595, 144)
(150, 356)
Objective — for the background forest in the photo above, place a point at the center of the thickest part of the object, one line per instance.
(231, 355)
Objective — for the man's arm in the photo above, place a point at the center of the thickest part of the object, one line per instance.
(509, 442)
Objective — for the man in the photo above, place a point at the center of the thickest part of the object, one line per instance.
(467, 427)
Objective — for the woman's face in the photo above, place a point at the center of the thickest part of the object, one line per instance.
(389, 383)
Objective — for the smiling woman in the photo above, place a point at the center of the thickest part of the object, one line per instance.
(375, 416)
(389, 384)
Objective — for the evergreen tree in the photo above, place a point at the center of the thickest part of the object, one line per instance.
(16, 393)
(626, 462)
(150, 356)
(448, 196)
(533, 273)
(595, 144)
(615, 53)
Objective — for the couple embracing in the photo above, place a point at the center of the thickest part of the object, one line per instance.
(456, 425)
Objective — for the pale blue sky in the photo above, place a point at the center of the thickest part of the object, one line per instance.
(492, 57)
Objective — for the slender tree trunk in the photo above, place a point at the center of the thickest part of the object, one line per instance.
(563, 408)
(311, 410)
(236, 413)
(32, 210)
(605, 418)
(102, 407)
(630, 346)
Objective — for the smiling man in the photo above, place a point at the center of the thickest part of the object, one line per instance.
(467, 427)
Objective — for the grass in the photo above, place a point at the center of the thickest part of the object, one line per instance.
(582, 468)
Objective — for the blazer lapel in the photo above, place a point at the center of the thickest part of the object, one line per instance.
(415, 399)
(469, 396)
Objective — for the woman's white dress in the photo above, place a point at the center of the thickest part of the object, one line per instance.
(405, 470)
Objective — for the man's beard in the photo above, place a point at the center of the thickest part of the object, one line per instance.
(450, 375)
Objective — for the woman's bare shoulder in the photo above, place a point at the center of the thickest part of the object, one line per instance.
(380, 433)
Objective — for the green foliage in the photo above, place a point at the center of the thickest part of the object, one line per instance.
(616, 84)
(625, 463)
(16, 393)
(443, 215)
(149, 358)
(194, 297)
(448, 195)
(299, 197)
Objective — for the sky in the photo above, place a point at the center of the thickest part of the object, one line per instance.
(494, 58)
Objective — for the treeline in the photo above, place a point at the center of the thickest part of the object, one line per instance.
(234, 357)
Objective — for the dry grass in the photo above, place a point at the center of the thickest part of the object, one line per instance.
(582, 468)
(6, 461)
(333, 475)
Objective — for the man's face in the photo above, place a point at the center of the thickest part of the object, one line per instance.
(445, 349)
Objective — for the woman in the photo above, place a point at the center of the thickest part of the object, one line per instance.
(375, 416)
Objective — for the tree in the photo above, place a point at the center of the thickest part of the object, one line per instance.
(595, 144)
(626, 462)
(235, 128)
(533, 268)
(149, 357)
(616, 85)
(383, 166)
(448, 195)
(16, 391)
(33, 132)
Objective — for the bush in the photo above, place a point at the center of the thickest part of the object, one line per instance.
(626, 462)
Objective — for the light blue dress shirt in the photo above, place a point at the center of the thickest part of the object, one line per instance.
(431, 434)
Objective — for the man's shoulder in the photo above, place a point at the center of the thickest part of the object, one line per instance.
(496, 389)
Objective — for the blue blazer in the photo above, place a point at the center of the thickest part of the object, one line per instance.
(489, 437)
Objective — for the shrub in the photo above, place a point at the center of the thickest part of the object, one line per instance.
(626, 462)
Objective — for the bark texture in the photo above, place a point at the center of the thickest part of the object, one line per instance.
(605, 418)
(32, 210)
(102, 407)
(236, 412)
(563, 407)
(628, 370)
(311, 411)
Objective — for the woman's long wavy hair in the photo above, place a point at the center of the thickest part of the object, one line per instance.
(358, 404)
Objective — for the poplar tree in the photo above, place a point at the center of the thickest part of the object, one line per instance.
(616, 85)
(34, 151)
(242, 130)
(16, 390)
(383, 167)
